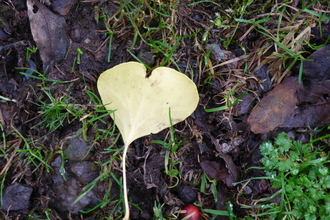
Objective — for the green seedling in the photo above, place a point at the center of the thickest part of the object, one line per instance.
(238, 13)
(141, 103)
(48, 213)
(158, 215)
(63, 159)
(56, 110)
(170, 168)
(79, 53)
(228, 97)
(29, 51)
(171, 147)
(88, 119)
(213, 183)
(203, 183)
(33, 154)
(314, 13)
(229, 213)
(162, 14)
(97, 10)
(109, 33)
(40, 76)
(218, 21)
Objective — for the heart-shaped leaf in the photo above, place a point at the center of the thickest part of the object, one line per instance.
(142, 103)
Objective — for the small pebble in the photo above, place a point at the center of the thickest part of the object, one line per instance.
(32, 68)
(85, 171)
(16, 197)
(217, 54)
(76, 148)
(147, 58)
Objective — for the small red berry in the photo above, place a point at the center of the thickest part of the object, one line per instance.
(191, 211)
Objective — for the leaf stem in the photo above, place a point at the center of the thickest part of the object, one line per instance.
(126, 217)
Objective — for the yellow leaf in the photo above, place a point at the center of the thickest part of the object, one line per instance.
(142, 103)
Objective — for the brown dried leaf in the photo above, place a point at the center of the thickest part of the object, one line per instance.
(233, 174)
(319, 68)
(63, 7)
(314, 106)
(214, 171)
(49, 32)
(275, 107)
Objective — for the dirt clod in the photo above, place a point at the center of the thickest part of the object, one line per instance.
(16, 197)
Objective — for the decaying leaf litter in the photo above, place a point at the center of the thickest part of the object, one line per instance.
(47, 166)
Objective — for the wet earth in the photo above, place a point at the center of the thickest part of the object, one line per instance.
(63, 169)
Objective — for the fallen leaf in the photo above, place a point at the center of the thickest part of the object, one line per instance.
(63, 7)
(214, 170)
(145, 105)
(318, 68)
(275, 107)
(232, 170)
(142, 103)
(313, 108)
(48, 31)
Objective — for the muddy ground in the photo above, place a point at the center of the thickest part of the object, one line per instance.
(219, 144)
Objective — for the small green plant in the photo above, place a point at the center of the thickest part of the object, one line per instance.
(29, 51)
(301, 174)
(158, 215)
(40, 76)
(171, 146)
(79, 53)
(229, 213)
(230, 100)
(55, 110)
(212, 184)
(32, 154)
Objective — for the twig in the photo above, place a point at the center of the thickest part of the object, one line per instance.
(8, 163)
(14, 45)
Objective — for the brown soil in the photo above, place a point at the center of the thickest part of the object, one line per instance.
(219, 144)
